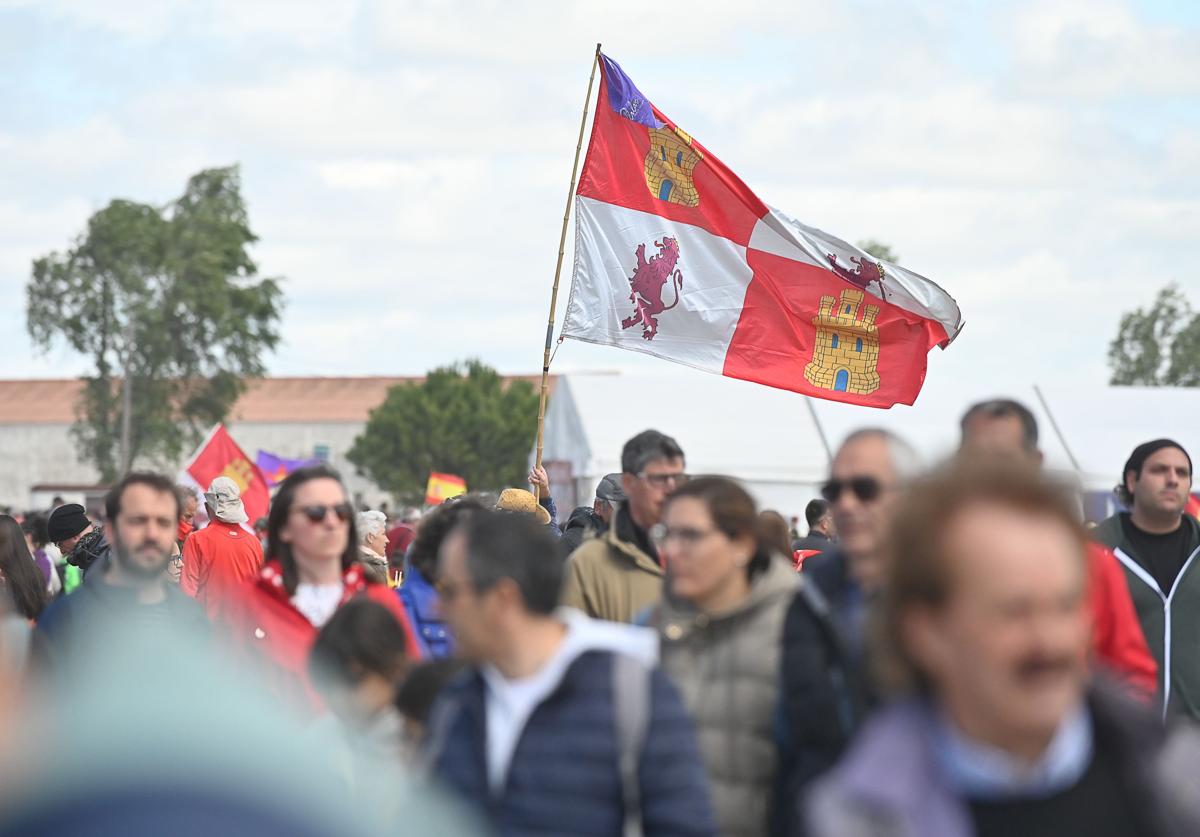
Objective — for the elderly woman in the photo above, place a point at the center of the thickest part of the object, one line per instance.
(372, 545)
(721, 628)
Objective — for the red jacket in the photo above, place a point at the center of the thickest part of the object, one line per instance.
(217, 561)
(1117, 638)
(270, 633)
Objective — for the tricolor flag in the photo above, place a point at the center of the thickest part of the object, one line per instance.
(442, 487)
(676, 257)
(276, 468)
(220, 456)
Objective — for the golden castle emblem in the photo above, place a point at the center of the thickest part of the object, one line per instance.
(669, 166)
(847, 345)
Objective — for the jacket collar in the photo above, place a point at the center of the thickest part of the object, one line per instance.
(779, 580)
(623, 536)
(892, 765)
(270, 581)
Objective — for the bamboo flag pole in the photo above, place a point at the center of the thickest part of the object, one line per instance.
(562, 244)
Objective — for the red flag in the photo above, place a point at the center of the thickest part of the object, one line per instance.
(676, 257)
(220, 456)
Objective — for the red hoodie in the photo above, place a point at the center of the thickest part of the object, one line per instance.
(267, 629)
(1117, 637)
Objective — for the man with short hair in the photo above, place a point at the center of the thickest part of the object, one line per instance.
(563, 724)
(590, 521)
(80, 541)
(618, 576)
(1157, 544)
(825, 684)
(994, 729)
(1008, 429)
(866, 477)
(131, 589)
(819, 517)
(222, 556)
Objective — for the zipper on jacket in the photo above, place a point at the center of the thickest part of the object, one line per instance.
(1138, 570)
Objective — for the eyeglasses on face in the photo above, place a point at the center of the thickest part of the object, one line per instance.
(663, 480)
(317, 513)
(686, 536)
(865, 489)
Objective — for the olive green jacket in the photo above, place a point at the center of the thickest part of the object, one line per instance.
(610, 578)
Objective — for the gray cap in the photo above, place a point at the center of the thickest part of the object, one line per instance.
(610, 489)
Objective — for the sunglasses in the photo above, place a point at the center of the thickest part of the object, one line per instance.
(865, 489)
(317, 513)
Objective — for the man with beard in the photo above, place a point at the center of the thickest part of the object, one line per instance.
(132, 592)
(1157, 543)
(993, 727)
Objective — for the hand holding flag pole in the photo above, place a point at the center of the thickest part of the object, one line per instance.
(562, 244)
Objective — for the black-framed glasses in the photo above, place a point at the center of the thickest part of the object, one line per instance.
(865, 489)
(662, 480)
(317, 513)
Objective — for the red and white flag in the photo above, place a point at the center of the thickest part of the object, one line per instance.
(676, 257)
(220, 456)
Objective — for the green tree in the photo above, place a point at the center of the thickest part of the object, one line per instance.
(1159, 345)
(879, 250)
(166, 303)
(462, 420)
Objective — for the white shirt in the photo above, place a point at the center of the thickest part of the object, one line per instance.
(317, 601)
(510, 703)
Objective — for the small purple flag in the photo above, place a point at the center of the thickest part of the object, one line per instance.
(276, 468)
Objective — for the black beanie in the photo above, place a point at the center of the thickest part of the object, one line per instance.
(1147, 449)
(66, 522)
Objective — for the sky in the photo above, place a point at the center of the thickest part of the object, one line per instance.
(406, 164)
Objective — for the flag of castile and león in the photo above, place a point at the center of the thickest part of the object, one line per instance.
(676, 257)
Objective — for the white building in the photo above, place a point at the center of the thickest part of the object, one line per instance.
(291, 417)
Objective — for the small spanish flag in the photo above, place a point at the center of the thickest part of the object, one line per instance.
(1193, 506)
(443, 487)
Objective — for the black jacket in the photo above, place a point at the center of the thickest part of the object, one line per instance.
(582, 521)
(823, 699)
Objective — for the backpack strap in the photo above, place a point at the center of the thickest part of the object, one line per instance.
(819, 606)
(631, 709)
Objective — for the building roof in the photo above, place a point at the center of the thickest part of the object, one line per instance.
(266, 400)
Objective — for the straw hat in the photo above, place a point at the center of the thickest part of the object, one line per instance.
(521, 501)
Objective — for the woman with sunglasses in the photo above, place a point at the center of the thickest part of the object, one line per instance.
(720, 624)
(311, 570)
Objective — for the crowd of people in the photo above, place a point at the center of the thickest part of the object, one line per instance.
(947, 650)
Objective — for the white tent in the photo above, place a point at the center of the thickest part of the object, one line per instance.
(773, 440)
(765, 437)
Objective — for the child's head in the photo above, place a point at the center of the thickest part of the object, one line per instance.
(358, 659)
(420, 689)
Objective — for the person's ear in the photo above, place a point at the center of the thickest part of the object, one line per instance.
(628, 481)
(923, 637)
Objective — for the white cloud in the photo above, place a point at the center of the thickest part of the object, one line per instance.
(405, 164)
(1099, 48)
